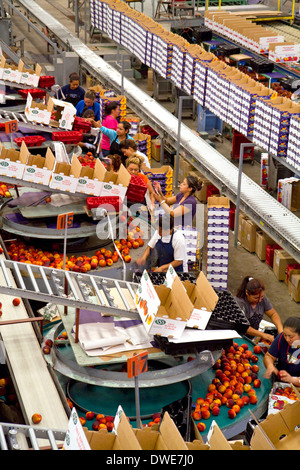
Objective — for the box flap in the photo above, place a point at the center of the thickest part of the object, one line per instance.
(170, 434)
(124, 431)
(49, 160)
(216, 439)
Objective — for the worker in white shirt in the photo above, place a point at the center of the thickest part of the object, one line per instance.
(129, 148)
(169, 245)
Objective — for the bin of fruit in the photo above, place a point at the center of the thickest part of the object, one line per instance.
(81, 124)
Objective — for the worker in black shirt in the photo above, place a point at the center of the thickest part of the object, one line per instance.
(72, 93)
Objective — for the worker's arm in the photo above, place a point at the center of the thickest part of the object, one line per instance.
(163, 268)
(142, 260)
(253, 332)
(269, 365)
(275, 318)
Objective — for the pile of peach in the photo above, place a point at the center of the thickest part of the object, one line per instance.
(20, 251)
(287, 392)
(233, 386)
(4, 190)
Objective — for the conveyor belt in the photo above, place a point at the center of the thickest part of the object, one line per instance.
(84, 291)
(23, 122)
(279, 223)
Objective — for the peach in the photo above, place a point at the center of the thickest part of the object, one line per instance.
(230, 403)
(247, 387)
(215, 410)
(257, 349)
(46, 350)
(201, 427)
(211, 388)
(254, 358)
(102, 426)
(36, 418)
(244, 346)
(255, 368)
(95, 425)
(245, 399)
(196, 415)
(90, 415)
(231, 413)
(205, 413)
(110, 426)
(222, 388)
(253, 399)
(256, 383)
(16, 302)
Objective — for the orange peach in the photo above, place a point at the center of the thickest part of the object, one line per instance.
(201, 427)
(253, 399)
(205, 413)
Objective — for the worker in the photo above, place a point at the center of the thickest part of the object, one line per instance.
(285, 349)
(116, 137)
(134, 166)
(166, 248)
(88, 140)
(129, 148)
(111, 112)
(72, 92)
(254, 303)
(112, 163)
(88, 102)
(184, 203)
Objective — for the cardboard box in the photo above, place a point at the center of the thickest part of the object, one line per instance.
(277, 401)
(166, 438)
(215, 440)
(11, 72)
(155, 149)
(204, 299)
(150, 80)
(281, 260)
(65, 176)
(262, 240)
(278, 431)
(116, 184)
(91, 180)
(12, 162)
(240, 227)
(31, 77)
(248, 235)
(38, 112)
(163, 310)
(39, 169)
(64, 114)
(121, 438)
(284, 52)
(294, 287)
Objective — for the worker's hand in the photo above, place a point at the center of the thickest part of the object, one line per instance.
(158, 270)
(284, 376)
(157, 197)
(269, 371)
(267, 337)
(140, 261)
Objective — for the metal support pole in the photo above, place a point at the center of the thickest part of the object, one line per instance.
(181, 98)
(238, 196)
(137, 402)
(162, 151)
(122, 75)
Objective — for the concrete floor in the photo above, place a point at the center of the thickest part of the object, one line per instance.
(241, 262)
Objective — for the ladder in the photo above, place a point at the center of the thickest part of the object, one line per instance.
(24, 437)
(68, 288)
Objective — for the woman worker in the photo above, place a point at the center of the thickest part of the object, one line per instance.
(72, 93)
(112, 111)
(116, 137)
(169, 246)
(129, 148)
(253, 301)
(286, 350)
(184, 203)
(88, 102)
(133, 166)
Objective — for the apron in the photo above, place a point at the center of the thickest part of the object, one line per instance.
(115, 149)
(165, 252)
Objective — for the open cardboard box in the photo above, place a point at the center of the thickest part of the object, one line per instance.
(65, 176)
(204, 299)
(215, 440)
(31, 77)
(64, 114)
(91, 180)
(122, 438)
(283, 52)
(167, 437)
(11, 72)
(279, 431)
(116, 184)
(12, 162)
(38, 112)
(39, 169)
(163, 310)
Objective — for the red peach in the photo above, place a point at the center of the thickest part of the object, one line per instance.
(256, 383)
(205, 413)
(253, 399)
(231, 413)
(201, 427)
(36, 418)
(90, 415)
(257, 349)
(215, 411)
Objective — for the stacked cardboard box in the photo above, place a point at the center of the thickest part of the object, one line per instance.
(248, 239)
(264, 166)
(293, 149)
(164, 175)
(120, 100)
(143, 142)
(218, 241)
(280, 262)
(262, 240)
(288, 193)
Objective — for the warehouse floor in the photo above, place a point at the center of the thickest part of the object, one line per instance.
(241, 263)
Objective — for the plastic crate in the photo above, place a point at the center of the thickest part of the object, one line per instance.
(227, 314)
(67, 137)
(81, 124)
(105, 201)
(180, 413)
(179, 349)
(270, 253)
(137, 189)
(30, 140)
(35, 93)
(46, 81)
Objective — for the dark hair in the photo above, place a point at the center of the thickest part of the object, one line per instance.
(90, 95)
(128, 143)
(126, 125)
(74, 77)
(194, 183)
(251, 285)
(87, 112)
(115, 161)
(165, 222)
(109, 106)
(293, 323)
